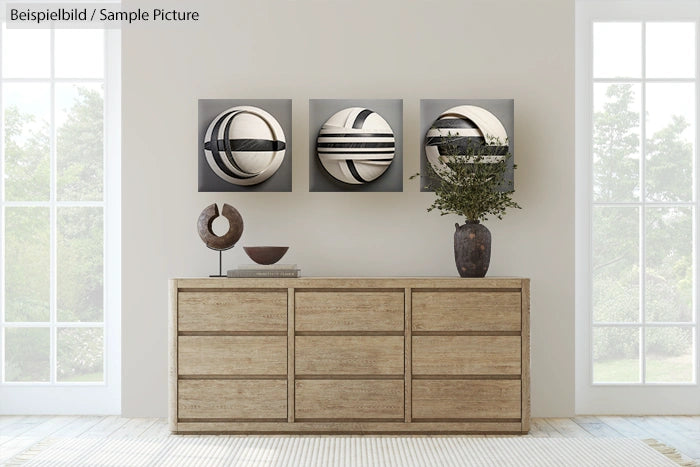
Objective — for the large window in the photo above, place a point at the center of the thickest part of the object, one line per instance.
(637, 102)
(59, 220)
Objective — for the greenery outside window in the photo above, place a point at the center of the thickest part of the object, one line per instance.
(58, 192)
(637, 207)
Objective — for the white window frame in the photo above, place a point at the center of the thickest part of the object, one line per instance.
(77, 398)
(624, 398)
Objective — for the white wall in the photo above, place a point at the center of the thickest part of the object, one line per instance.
(347, 49)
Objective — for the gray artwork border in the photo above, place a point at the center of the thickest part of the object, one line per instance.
(430, 110)
(280, 181)
(320, 110)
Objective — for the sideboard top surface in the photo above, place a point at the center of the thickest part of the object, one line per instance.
(353, 282)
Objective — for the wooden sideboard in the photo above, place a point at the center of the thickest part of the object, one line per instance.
(342, 355)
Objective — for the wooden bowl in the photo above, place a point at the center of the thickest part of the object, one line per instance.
(265, 254)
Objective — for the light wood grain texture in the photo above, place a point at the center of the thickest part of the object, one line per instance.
(597, 428)
(355, 399)
(232, 355)
(455, 355)
(291, 319)
(349, 311)
(525, 351)
(134, 428)
(353, 283)
(446, 399)
(172, 354)
(568, 428)
(232, 311)
(335, 338)
(359, 428)
(685, 440)
(43, 428)
(84, 423)
(408, 317)
(105, 427)
(217, 399)
(348, 355)
(466, 311)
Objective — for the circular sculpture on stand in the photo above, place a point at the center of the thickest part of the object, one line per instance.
(356, 145)
(206, 233)
(226, 241)
(465, 130)
(244, 145)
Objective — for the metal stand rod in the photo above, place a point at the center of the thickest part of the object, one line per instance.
(221, 274)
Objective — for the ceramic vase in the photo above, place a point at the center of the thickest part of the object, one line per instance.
(472, 249)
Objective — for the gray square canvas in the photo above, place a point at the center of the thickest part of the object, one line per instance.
(281, 109)
(320, 110)
(430, 110)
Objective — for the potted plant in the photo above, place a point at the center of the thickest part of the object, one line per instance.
(470, 182)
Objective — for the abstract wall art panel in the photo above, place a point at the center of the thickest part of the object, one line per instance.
(355, 145)
(245, 145)
(467, 126)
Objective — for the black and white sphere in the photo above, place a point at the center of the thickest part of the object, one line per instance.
(244, 145)
(356, 145)
(463, 131)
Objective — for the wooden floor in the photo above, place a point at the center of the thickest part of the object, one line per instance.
(18, 433)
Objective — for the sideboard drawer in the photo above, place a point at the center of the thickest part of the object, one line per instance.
(445, 399)
(232, 399)
(232, 355)
(349, 399)
(349, 355)
(348, 311)
(232, 311)
(466, 355)
(466, 311)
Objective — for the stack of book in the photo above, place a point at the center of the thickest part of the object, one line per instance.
(260, 270)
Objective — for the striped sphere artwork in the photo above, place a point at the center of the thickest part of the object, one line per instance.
(244, 145)
(356, 145)
(465, 130)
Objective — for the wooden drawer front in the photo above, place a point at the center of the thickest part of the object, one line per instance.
(232, 355)
(466, 311)
(349, 355)
(349, 399)
(232, 311)
(466, 355)
(466, 399)
(232, 399)
(349, 311)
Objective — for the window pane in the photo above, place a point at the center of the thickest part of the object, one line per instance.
(27, 264)
(26, 53)
(80, 354)
(617, 50)
(615, 264)
(27, 354)
(670, 50)
(26, 122)
(79, 269)
(79, 53)
(669, 355)
(669, 264)
(79, 145)
(615, 355)
(616, 147)
(670, 141)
